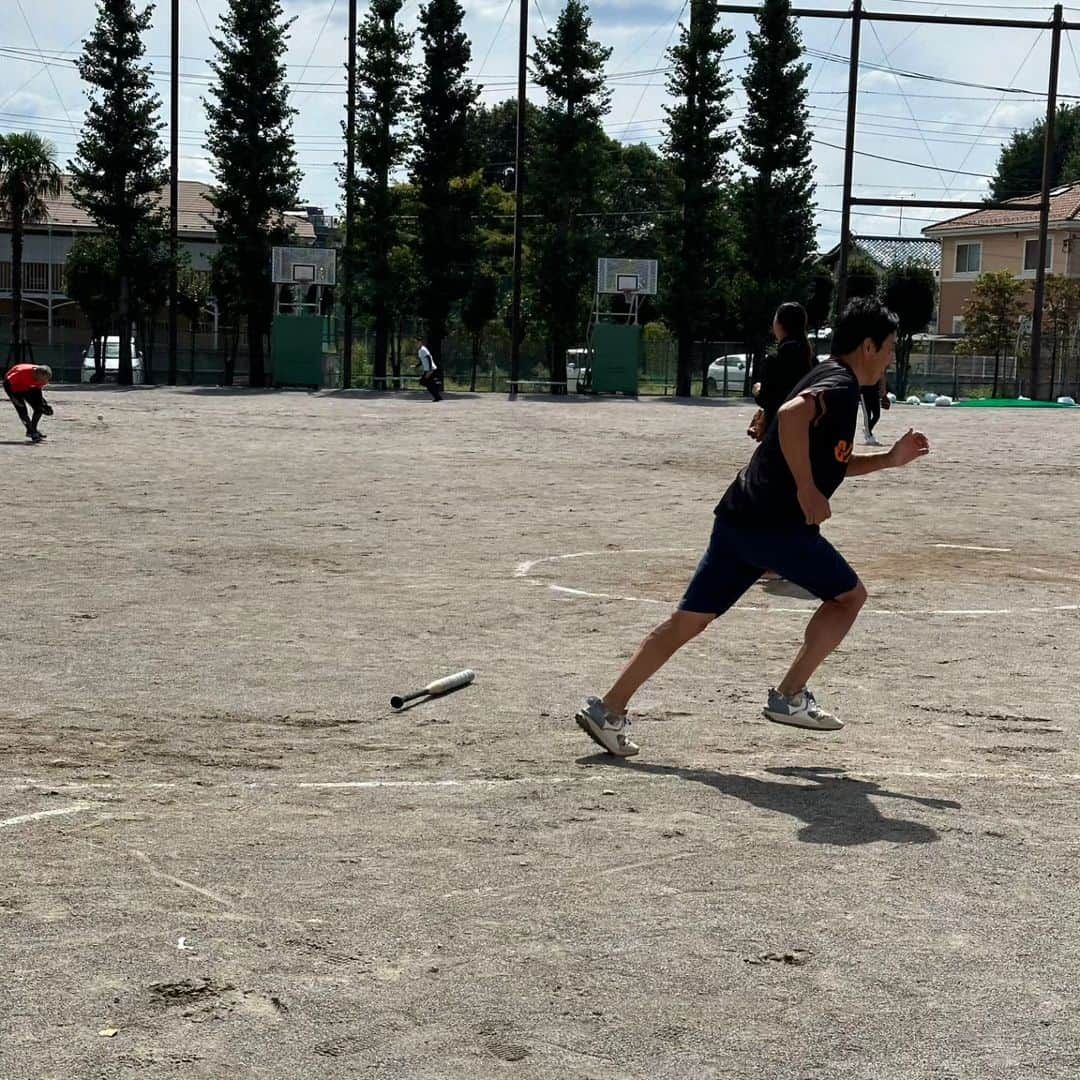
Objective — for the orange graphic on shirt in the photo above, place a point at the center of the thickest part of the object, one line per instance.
(843, 451)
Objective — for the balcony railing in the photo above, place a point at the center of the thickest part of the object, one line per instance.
(35, 277)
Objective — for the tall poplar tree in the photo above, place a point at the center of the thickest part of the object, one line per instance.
(118, 170)
(253, 156)
(381, 134)
(446, 235)
(776, 196)
(566, 172)
(697, 146)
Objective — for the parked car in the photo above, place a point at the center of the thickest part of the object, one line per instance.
(110, 347)
(735, 364)
(578, 374)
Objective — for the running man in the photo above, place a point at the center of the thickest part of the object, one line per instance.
(429, 377)
(769, 519)
(23, 385)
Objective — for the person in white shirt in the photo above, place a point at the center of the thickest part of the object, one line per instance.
(429, 379)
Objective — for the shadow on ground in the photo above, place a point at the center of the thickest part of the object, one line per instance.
(836, 808)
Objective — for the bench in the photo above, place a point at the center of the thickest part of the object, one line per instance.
(383, 382)
(549, 383)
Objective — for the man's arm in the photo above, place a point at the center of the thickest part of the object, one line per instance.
(795, 417)
(908, 448)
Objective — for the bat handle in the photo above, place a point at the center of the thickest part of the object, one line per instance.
(398, 700)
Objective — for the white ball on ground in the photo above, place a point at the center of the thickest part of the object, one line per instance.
(944, 399)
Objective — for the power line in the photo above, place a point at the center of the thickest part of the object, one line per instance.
(911, 112)
(896, 161)
(33, 38)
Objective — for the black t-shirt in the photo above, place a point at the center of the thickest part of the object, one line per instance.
(783, 372)
(764, 491)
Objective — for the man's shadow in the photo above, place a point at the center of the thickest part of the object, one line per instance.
(837, 809)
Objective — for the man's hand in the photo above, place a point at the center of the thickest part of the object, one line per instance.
(814, 505)
(908, 448)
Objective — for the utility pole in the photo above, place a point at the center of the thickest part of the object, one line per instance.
(174, 188)
(849, 157)
(519, 200)
(350, 203)
(1044, 208)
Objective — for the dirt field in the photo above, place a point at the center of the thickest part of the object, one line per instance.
(221, 844)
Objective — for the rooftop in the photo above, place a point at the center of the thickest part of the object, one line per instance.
(1064, 207)
(195, 213)
(889, 251)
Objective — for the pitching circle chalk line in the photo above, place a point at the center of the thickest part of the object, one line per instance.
(524, 570)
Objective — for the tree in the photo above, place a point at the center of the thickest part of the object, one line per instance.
(1062, 308)
(863, 279)
(150, 266)
(775, 199)
(991, 314)
(117, 174)
(194, 294)
(480, 307)
(1020, 163)
(697, 146)
(381, 141)
(28, 176)
(567, 163)
(910, 292)
(819, 296)
(227, 286)
(445, 234)
(253, 156)
(92, 280)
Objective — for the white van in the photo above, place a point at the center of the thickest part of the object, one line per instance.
(110, 347)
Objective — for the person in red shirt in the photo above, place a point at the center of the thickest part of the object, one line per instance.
(23, 385)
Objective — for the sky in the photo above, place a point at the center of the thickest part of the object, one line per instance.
(917, 137)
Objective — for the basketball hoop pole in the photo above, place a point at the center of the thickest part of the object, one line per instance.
(519, 201)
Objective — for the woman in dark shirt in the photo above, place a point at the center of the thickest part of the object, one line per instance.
(793, 360)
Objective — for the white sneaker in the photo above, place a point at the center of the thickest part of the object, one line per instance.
(871, 441)
(801, 710)
(606, 728)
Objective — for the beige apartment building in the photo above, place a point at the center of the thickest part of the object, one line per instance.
(990, 240)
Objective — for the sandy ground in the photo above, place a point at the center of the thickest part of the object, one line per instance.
(221, 844)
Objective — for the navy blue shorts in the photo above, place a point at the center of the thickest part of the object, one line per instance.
(737, 555)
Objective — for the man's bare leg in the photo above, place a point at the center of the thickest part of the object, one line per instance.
(824, 632)
(653, 653)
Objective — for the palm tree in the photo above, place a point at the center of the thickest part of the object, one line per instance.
(28, 175)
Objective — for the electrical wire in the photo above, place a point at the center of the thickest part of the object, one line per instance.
(33, 38)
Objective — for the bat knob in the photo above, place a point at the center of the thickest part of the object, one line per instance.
(396, 702)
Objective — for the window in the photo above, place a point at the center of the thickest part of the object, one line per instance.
(968, 258)
(958, 324)
(1031, 254)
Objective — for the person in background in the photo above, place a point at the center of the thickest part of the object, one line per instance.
(429, 378)
(23, 385)
(874, 399)
(792, 361)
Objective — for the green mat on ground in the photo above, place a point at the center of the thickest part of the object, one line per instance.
(1007, 403)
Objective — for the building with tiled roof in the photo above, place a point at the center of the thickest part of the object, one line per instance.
(981, 241)
(887, 251)
(51, 317)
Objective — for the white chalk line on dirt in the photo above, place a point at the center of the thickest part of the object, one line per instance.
(179, 882)
(524, 570)
(971, 547)
(24, 819)
(609, 777)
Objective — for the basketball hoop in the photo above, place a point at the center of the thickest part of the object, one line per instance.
(629, 295)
